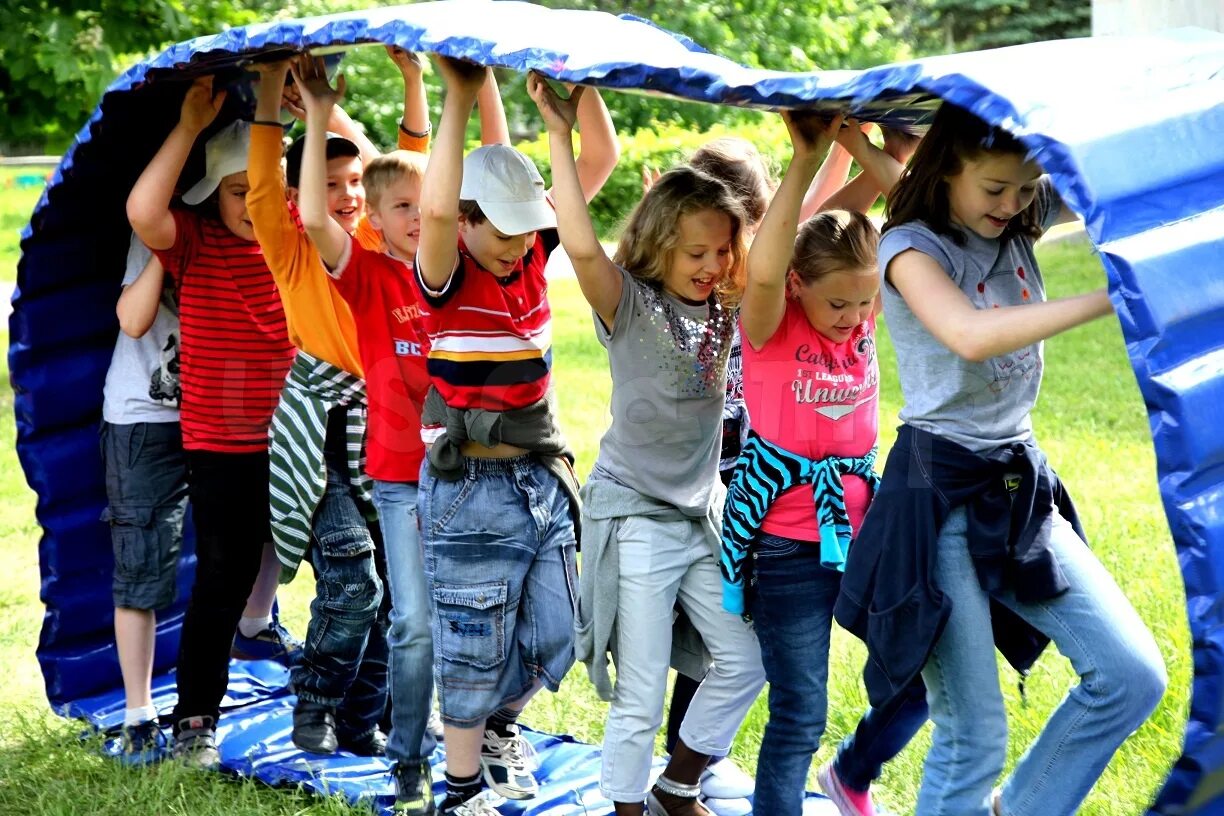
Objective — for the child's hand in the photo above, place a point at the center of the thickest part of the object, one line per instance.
(461, 75)
(270, 71)
(291, 100)
(899, 144)
(649, 176)
(854, 138)
(200, 105)
(810, 132)
(408, 62)
(318, 96)
(559, 114)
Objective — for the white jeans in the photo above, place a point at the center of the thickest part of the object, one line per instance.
(662, 563)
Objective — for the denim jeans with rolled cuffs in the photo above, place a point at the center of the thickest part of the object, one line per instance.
(344, 658)
(1122, 678)
(410, 636)
(662, 564)
(500, 563)
(792, 611)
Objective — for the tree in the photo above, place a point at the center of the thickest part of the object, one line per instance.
(946, 26)
(56, 58)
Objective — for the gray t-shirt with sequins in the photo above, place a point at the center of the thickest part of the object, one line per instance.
(985, 405)
(669, 381)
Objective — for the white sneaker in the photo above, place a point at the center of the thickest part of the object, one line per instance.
(723, 779)
(434, 725)
(505, 764)
(727, 807)
(484, 803)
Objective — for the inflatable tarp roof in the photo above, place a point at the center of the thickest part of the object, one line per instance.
(1128, 128)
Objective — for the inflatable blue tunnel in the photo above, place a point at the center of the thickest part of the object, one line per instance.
(1086, 108)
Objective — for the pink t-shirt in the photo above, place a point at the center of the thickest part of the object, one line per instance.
(815, 398)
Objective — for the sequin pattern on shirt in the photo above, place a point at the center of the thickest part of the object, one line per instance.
(691, 353)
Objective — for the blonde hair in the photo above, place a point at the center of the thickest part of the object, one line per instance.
(738, 164)
(389, 168)
(835, 241)
(649, 240)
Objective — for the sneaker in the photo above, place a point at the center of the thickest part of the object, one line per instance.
(196, 743)
(273, 643)
(505, 764)
(848, 802)
(723, 779)
(373, 744)
(484, 803)
(314, 727)
(727, 807)
(413, 789)
(142, 744)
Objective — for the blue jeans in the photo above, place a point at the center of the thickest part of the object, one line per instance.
(792, 608)
(409, 637)
(344, 659)
(1122, 678)
(499, 559)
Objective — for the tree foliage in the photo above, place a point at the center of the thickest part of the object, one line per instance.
(946, 26)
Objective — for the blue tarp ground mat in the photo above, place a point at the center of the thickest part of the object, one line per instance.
(1128, 128)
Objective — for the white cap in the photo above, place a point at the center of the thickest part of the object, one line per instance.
(224, 155)
(508, 188)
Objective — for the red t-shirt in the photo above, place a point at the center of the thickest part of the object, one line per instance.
(234, 348)
(490, 338)
(815, 398)
(379, 290)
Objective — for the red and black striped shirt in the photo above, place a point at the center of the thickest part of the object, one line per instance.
(234, 346)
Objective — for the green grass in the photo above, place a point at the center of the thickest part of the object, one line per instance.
(1091, 421)
(19, 192)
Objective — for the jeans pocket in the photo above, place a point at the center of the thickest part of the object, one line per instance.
(449, 497)
(471, 623)
(771, 546)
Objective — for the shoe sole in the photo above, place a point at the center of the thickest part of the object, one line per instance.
(500, 789)
(833, 790)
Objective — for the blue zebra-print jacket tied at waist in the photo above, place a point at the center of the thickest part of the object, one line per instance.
(764, 472)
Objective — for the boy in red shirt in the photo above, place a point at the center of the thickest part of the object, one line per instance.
(234, 354)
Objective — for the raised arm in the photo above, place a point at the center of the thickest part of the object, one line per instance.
(830, 178)
(137, 306)
(438, 250)
(148, 205)
(493, 127)
(764, 301)
(880, 167)
(600, 149)
(598, 277)
(339, 123)
(318, 99)
(979, 334)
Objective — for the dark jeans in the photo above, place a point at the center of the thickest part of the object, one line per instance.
(792, 608)
(344, 660)
(229, 501)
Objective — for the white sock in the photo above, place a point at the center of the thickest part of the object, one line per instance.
(136, 716)
(250, 627)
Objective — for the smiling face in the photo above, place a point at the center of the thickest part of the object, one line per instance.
(397, 215)
(990, 191)
(231, 205)
(494, 250)
(836, 302)
(345, 194)
(702, 255)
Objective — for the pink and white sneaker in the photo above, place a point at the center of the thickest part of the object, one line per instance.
(848, 802)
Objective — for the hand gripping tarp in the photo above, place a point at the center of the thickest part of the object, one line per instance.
(1129, 129)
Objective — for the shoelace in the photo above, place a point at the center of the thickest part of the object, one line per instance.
(510, 750)
(480, 806)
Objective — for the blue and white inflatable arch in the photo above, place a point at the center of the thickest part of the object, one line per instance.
(1088, 108)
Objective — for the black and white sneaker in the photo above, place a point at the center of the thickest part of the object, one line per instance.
(507, 763)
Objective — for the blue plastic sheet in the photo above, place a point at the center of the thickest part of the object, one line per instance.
(1128, 128)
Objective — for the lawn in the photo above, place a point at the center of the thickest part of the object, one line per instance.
(1091, 422)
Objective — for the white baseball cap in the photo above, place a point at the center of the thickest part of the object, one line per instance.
(224, 154)
(508, 188)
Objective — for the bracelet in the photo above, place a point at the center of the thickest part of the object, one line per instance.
(417, 134)
(269, 122)
(677, 789)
